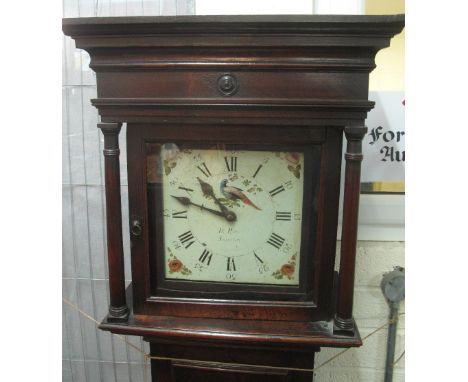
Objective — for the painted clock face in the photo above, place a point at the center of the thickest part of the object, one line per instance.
(232, 216)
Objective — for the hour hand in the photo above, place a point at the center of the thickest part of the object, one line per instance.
(207, 190)
(187, 202)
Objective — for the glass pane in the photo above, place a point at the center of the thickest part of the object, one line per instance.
(229, 214)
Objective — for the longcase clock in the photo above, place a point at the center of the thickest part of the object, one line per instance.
(234, 148)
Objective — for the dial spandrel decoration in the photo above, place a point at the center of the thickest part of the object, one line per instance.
(232, 216)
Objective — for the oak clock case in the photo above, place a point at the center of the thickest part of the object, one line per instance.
(235, 127)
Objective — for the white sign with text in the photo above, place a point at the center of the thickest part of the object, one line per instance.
(384, 143)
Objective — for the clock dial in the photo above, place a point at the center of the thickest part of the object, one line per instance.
(232, 216)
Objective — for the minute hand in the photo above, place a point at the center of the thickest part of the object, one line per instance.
(187, 202)
(207, 190)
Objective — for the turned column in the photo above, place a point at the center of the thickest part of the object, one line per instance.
(118, 310)
(344, 323)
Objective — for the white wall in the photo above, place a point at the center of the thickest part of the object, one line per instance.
(339, 7)
(249, 7)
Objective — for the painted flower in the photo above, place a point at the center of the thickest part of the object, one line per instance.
(287, 269)
(293, 158)
(296, 170)
(175, 265)
(169, 152)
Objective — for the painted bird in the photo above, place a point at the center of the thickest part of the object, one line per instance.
(234, 193)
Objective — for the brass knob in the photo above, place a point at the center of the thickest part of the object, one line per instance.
(227, 84)
(136, 228)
